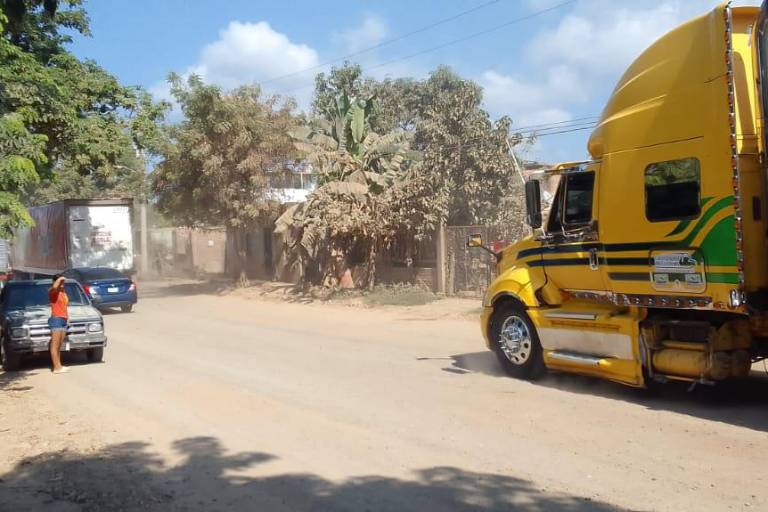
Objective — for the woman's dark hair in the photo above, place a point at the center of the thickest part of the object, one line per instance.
(53, 280)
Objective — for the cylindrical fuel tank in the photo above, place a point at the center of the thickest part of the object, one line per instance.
(691, 363)
(741, 363)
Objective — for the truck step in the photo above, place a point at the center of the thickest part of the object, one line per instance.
(575, 358)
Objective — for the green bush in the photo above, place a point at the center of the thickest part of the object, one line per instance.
(399, 295)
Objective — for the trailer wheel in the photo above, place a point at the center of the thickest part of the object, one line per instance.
(11, 362)
(516, 343)
(126, 309)
(96, 355)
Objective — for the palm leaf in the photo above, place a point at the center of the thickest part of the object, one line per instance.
(288, 219)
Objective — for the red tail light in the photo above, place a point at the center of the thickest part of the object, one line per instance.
(87, 289)
(132, 287)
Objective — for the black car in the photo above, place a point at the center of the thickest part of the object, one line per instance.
(106, 287)
(24, 312)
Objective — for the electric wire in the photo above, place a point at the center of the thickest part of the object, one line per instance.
(476, 34)
(455, 41)
(481, 141)
(383, 43)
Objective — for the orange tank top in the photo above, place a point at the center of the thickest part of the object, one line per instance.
(59, 302)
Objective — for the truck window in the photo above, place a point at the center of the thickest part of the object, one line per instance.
(578, 198)
(672, 190)
(554, 222)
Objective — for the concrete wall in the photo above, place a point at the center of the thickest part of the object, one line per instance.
(208, 250)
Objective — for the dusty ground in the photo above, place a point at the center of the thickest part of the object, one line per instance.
(210, 402)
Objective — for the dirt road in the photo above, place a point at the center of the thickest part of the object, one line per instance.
(221, 403)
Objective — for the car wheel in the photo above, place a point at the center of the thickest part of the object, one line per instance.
(516, 343)
(126, 309)
(96, 355)
(11, 362)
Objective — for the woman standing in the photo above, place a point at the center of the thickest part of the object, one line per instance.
(58, 321)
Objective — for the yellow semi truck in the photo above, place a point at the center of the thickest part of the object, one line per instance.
(653, 261)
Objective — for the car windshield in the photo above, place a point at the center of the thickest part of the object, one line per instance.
(94, 274)
(36, 295)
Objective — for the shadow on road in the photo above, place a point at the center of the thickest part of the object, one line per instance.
(128, 477)
(738, 402)
(158, 290)
(13, 381)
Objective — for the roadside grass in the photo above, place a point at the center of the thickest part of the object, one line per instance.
(399, 295)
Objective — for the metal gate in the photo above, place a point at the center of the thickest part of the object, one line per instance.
(469, 272)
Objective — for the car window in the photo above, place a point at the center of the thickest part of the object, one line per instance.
(36, 295)
(94, 274)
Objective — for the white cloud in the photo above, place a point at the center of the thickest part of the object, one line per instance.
(543, 116)
(578, 59)
(603, 38)
(250, 52)
(559, 83)
(370, 32)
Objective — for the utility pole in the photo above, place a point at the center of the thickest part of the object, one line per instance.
(144, 239)
(515, 162)
(441, 258)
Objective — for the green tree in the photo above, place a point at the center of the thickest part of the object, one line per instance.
(400, 104)
(90, 121)
(467, 175)
(21, 152)
(34, 25)
(345, 220)
(217, 169)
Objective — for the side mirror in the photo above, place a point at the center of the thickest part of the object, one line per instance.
(475, 240)
(533, 203)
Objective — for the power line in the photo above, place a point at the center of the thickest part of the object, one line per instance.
(481, 141)
(384, 43)
(477, 34)
(543, 131)
(555, 123)
(457, 41)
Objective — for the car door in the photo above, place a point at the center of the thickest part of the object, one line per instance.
(571, 249)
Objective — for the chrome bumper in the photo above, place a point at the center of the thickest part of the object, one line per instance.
(39, 338)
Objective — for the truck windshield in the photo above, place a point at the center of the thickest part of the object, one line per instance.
(36, 295)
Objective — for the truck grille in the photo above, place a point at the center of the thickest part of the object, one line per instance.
(43, 333)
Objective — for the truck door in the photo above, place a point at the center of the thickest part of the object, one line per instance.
(571, 251)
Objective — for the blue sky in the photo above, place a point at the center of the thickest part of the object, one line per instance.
(555, 66)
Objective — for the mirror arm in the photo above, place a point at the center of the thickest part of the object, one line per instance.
(497, 255)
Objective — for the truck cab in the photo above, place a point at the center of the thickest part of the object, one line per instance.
(652, 263)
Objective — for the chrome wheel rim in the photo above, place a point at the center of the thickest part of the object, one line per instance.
(515, 340)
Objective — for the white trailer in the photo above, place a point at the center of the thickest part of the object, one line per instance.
(75, 233)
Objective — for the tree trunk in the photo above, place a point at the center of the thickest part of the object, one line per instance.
(372, 265)
(239, 260)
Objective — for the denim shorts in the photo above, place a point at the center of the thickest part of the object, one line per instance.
(56, 323)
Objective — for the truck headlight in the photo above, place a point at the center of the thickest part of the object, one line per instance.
(19, 332)
(95, 327)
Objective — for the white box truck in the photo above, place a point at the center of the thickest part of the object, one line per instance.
(75, 233)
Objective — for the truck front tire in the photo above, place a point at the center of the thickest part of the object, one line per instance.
(515, 342)
(10, 361)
